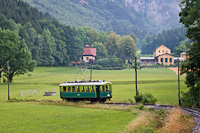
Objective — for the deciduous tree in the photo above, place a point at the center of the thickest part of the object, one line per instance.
(189, 16)
(14, 50)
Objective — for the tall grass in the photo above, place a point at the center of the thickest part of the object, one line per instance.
(177, 122)
(174, 121)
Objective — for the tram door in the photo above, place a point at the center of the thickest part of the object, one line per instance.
(98, 91)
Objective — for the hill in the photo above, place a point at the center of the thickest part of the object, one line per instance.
(122, 16)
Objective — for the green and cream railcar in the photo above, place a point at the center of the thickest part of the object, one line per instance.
(92, 91)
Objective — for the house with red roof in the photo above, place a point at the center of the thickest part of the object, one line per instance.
(89, 53)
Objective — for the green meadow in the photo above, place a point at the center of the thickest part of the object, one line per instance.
(37, 117)
(161, 82)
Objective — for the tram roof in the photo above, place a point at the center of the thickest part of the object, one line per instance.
(84, 83)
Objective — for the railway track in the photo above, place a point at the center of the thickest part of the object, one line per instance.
(194, 112)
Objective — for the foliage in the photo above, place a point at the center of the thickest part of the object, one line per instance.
(128, 48)
(121, 16)
(183, 46)
(138, 97)
(14, 50)
(53, 44)
(140, 107)
(189, 99)
(21, 13)
(147, 98)
(150, 42)
(101, 50)
(189, 16)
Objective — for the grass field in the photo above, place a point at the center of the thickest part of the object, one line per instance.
(34, 117)
(161, 82)
(29, 117)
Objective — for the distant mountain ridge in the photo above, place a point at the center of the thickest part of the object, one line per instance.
(122, 16)
(165, 10)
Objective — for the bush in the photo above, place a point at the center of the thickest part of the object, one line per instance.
(117, 68)
(140, 107)
(147, 98)
(190, 98)
(138, 97)
(110, 68)
(98, 67)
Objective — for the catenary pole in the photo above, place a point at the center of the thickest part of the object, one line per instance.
(136, 75)
(179, 100)
(199, 94)
(90, 69)
(8, 72)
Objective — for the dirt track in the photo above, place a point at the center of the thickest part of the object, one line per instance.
(175, 69)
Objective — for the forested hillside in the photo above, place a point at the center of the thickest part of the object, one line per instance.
(141, 17)
(51, 43)
(170, 38)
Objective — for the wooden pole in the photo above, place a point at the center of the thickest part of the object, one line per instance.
(8, 72)
(90, 69)
(179, 100)
(199, 94)
(136, 75)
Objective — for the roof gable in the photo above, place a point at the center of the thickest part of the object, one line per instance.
(160, 46)
(89, 51)
(165, 54)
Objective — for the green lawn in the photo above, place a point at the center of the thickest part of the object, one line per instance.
(161, 82)
(32, 117)
(29, 117)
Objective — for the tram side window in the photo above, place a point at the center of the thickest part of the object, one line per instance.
(100, 88)
(103, 88)
(73, 88)
(88, 88)
(107, 89)
(83, 89)
(69, 89)
(92, 89)
(64, 89)
(78, 90)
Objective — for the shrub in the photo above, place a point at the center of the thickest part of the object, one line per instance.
(149, 130)
(140, 107)
(117, 68)
(190, 98)
(147, 98)
(110, 68)
(138, 97)
(98, 67)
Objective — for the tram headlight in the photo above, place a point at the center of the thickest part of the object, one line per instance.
(108, 95)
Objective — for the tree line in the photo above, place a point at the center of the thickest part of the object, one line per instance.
(46, 42)
(171, 38)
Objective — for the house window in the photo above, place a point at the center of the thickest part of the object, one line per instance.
(161, 60)
(159, 51)
(166, 51)
(163, 51)
(166, 60)
(170, 60)
(87, 58)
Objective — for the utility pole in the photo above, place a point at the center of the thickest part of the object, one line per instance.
(179, 100)
(8, 72)
(199, 94)
(136, 75)
(91, 69)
